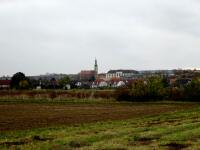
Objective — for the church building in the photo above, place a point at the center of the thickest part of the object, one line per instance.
(89, 75)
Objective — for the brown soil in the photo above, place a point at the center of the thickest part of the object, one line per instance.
(28, 116)
(176, 146)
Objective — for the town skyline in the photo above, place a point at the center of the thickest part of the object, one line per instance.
(95, 62)
(64, 36)
(91, 67)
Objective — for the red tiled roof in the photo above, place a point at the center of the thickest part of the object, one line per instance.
(5, 82)
(101, 74)
(115, 79)
(98, 81)
(87, 72)
(122, 70)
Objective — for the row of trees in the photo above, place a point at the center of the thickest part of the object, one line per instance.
(157, 88)
(20, 81)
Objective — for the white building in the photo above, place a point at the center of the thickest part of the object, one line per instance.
(121, 74)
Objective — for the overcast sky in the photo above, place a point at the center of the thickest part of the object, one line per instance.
(65, 36)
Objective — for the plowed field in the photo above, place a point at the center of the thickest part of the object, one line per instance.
(29, 116)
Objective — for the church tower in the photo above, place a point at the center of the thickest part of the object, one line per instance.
(96, 66)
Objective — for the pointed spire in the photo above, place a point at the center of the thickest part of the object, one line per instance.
(95, 61)
(96, 66)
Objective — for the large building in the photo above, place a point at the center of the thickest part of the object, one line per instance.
(89, 75)
(121, 74)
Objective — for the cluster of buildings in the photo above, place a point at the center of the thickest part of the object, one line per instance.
(122, 77)
(111, 79)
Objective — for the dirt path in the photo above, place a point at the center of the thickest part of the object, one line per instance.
(28, 116)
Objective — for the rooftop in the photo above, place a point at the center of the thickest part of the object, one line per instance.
(122, 70)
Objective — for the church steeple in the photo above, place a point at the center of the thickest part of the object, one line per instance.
(96, 66)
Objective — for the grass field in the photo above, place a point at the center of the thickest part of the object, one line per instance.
(100, 126)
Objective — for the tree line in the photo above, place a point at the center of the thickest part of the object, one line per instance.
(148, 89)
(20, 82)
(158, 88)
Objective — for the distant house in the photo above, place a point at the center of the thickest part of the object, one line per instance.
(159, 73)
(78, 84)
(117, 82)
(183, 82)
(101, 76)
(103, 84)
(38, 87)
(5, 84)
(100, 83)
(121, 83)
(121, 74)
(172, 80)
(67, 87)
